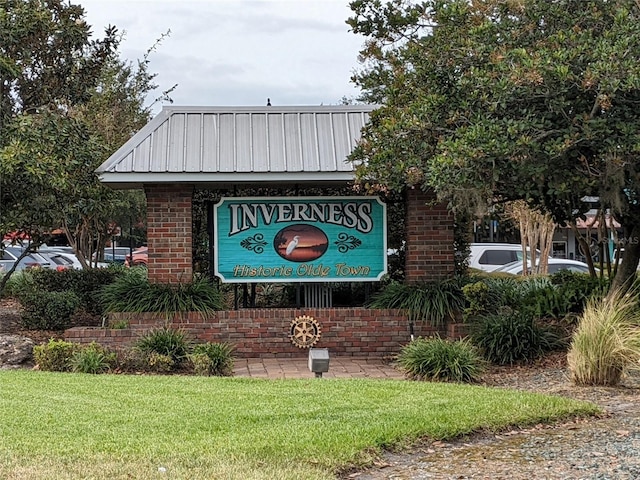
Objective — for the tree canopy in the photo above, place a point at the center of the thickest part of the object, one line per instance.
(496, 100)
(66, 103)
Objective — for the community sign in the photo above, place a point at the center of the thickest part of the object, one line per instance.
(300, 239)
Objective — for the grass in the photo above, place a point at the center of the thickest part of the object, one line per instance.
(68, 426)
(606, 342)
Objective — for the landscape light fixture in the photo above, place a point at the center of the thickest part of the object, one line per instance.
(319, 361)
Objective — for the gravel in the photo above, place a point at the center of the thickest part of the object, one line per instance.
(606, 447)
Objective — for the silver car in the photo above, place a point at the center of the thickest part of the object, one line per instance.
(10, 254)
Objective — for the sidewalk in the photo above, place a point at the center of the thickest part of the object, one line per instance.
(339, 367)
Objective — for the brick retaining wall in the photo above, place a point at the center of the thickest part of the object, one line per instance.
(265, 332)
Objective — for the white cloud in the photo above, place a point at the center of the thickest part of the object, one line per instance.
(239, 52)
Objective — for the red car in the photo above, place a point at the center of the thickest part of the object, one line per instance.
(140, 257)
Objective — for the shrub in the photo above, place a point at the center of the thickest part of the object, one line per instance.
(20, 282)
(119, 324)
(92, 358)
(133, 293)
(441, 360)
(165, 341)
(131, 360)
(48, 310)
(159, 363)
(507, 338)
(433, 302)
(213, 359)
(554, 296)
(54, 356)
(477, 297)
(86, 284)
(607, 340)
(575, 289)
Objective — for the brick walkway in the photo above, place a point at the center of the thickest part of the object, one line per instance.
(339, 367)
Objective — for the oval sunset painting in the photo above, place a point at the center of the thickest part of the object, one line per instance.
(300, 243)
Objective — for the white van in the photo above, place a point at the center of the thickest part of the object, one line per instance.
(489, 256)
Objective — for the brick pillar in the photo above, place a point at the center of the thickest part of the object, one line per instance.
(429, 230)
(169, 233)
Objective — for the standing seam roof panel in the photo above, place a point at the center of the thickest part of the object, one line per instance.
(260, 151)
(326, 153)
(158, 152)
(243, 146)
(209, 144)
(292, 144)
(342, 142)
(308, 143)
(278, 152)
(243, 140)
(192, 159)
(226, 143)
(175, 144)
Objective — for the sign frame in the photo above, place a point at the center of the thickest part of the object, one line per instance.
(372, 243)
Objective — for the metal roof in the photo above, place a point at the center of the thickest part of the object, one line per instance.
(231, 145)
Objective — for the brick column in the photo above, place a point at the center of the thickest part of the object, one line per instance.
(169, 233)
(429, 230)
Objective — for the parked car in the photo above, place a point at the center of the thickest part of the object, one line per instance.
(10, 254)
(140, 257)
(489, 256)
(554, 265)
(60, 259)
(116, 254)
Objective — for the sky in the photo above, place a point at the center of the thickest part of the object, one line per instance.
(238, 52)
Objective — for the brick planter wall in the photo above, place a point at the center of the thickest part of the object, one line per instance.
(264, 333)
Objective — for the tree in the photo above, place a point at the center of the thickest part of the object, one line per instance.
(48, 64)
(67, 103)
(47, 57)
(115, 111)
(491, 101)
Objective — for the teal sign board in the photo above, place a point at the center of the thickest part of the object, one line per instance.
(300, 239)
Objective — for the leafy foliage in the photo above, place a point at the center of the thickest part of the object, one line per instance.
(554, 296)
(134, 293)
(575, 290)
(167, 342)
(85, 283)
(607, 340)
(48, 310)
(68, 101)
(54, 356)
(495, 101)
(22, 281)
(49, 64)
(441, 360)
(93, 359)
(508, 338)
(159, 362)
(213, 359)
(433, 302)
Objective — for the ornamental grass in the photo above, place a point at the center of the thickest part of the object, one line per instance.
(606, 342)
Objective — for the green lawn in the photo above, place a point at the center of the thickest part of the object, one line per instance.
(74, 426)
